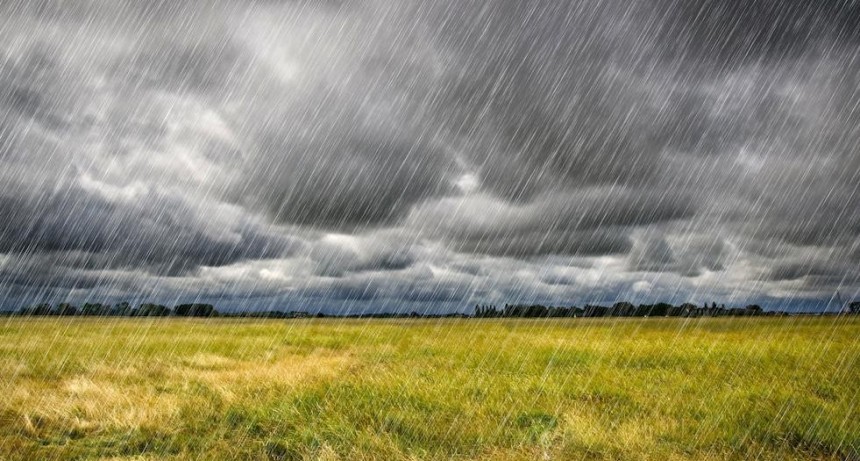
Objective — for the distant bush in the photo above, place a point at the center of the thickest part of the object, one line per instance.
(195, 310)
(153, 310)
(122, 309)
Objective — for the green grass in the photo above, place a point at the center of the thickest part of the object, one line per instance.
(738, 388)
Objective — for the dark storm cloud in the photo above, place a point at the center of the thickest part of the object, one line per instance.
(345, 175)
(360, 146)
(655, 255)
(548, 242)
(37, 86)
(207, 68)
(162, 234)
(724, 30)
(378, 254)
(533, 92)
(798, 270)
(40, 270)
(580, 222)
(568, 95)
(689, 257)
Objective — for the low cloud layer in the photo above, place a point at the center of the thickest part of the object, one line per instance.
(428, 155)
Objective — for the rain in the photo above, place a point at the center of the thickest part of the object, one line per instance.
(426, 156)
(426, 159)
(358, 157)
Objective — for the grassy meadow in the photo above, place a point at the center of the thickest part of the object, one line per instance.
(477, 389)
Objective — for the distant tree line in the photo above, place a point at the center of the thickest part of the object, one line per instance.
(362, 315)
(626, 309)
(620, 309)
(122, 309)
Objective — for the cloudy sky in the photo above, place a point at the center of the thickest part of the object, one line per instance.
(429, 155)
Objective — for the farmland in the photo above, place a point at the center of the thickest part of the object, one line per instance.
(482, 389)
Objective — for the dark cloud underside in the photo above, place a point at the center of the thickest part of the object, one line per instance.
(365, 150)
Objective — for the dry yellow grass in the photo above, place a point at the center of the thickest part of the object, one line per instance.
(634, 389)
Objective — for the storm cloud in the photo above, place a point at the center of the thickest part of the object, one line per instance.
(428, 155)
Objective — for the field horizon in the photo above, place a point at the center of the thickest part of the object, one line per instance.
(600, 388)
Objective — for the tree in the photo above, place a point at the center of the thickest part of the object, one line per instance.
(39, 309)
(195, 310)
(95, 309)
(123, 308)
(153, 310)
(623, 309)
(753, 309)
(66, 309)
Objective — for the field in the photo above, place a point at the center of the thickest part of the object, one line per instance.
(732, 388)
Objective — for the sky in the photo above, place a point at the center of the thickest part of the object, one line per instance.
(428, 156)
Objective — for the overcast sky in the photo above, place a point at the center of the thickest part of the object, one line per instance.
(429, 155)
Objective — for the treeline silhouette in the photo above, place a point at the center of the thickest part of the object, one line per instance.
(626, 309)
(363, 315)
(620, 309)
(123, 309)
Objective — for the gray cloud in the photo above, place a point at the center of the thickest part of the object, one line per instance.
(798, 270)
(722, 30)
(585, 222)
(339, 256)
(162, 234)
(423, 151)
(344, 175)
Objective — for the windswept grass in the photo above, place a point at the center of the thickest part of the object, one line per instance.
(740, 388)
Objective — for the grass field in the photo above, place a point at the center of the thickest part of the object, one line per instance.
(736, 388)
